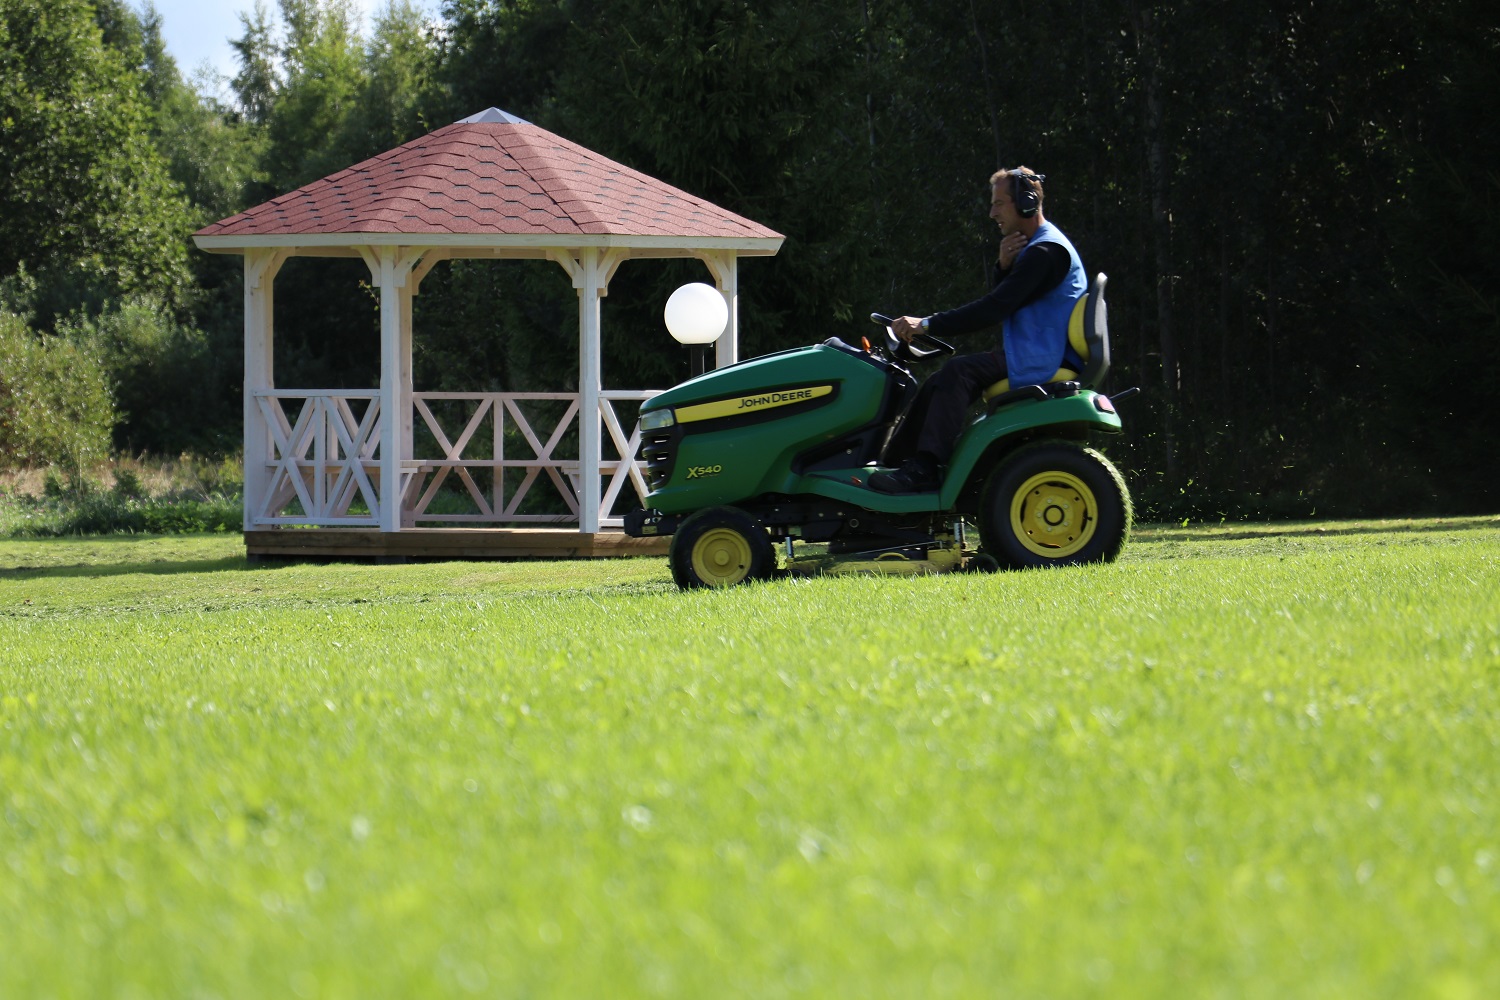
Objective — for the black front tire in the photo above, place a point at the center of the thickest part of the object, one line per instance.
(982, 562)
(1054, 503)
(720, 547)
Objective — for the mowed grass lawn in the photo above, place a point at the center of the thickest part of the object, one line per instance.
(1259, 761)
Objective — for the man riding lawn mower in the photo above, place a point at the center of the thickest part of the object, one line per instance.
(793, 447)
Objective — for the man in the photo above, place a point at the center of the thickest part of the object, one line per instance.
(1038, 279)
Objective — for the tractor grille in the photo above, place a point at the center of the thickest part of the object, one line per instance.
(659, 449)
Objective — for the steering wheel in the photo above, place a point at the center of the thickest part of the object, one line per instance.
(922, 346)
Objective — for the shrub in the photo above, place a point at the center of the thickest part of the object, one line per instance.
(157, 496)
(174, 392)
(55, 402)
(108, 513)
(128, 485)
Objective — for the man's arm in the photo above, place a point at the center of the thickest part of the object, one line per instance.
(1037, 272)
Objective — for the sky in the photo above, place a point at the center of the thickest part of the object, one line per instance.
(199, 30)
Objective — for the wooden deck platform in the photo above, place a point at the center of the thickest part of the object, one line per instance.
(447, 543)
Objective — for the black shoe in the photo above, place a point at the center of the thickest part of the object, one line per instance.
(914, 476)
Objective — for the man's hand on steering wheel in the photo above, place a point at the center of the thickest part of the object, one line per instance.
(907, 327)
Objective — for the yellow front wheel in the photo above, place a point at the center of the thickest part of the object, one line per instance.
(1054, 503)
(720, 547)
(721, 557)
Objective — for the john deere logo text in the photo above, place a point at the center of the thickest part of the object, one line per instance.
(699, 471)
(750, 404)
(775, 398)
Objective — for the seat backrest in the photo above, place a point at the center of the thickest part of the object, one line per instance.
(1094, 330)
(1076, 338)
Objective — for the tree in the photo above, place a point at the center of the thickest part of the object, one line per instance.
(747, 105)
(87, 200)
(257, 83)
(399, 58)
(502, 53)
(323, 60)
(210, 152)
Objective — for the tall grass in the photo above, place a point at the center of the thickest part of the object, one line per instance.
(1252, 762)
(123, 496)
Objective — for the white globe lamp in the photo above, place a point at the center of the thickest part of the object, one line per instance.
(696, 315)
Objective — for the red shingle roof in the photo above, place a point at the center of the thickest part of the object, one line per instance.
(506, 178)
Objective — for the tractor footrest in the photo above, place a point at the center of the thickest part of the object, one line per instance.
(650, 523)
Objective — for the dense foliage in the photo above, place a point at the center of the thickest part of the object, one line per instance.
(1294, 202)
(55, 403)
(87, 200)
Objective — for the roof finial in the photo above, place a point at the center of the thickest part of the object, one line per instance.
(492, 116)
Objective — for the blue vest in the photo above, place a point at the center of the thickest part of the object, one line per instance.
(1036, 335)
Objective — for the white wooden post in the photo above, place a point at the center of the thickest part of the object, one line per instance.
(727, 350)
(418, 262)
(590, 379)
(405, 292)
(390, 269)
(591, 272)
(724, 266)
(260, 280)
(413, 265)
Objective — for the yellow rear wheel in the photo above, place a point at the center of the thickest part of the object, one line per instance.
(1054, 514)
(1054, 503)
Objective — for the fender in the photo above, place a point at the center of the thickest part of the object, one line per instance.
(1078, 414)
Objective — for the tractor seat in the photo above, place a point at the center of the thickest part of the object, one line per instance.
(1088, 334)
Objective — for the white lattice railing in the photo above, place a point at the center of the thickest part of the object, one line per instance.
(324, 460)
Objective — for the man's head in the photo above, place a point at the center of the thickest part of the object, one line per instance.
(1016, 200)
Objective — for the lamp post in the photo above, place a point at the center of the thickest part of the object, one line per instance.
(696, 315)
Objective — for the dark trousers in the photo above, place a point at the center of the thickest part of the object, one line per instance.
(937, 415)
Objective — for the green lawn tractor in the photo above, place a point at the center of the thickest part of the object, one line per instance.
(763, 467)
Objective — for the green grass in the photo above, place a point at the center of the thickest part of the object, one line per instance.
(1258, 761)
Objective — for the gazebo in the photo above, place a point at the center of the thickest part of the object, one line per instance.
(344, 462)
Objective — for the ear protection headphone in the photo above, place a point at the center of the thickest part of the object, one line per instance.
(1026, 197)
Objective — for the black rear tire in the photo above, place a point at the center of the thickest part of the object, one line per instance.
(1055, 503)
(720, 547)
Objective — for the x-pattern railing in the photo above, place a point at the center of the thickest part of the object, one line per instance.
(328, 458)
(325, 461)
(498, 504)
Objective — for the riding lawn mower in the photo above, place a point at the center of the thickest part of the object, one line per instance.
(762, 467)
